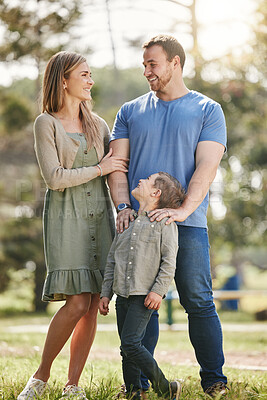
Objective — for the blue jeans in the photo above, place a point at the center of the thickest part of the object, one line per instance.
(194, 286)
(132, 320)
(150, 343)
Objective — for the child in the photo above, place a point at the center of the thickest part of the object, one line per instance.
(140, 267)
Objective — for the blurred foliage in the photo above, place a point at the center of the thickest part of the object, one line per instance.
(244, 168)
(21, 247)
(15, 114)
(30, 26)
(108, 95)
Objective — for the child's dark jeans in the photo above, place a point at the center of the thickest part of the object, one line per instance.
(132, 320)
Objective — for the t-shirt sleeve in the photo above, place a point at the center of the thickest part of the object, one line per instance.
(214, 126)
(120, 128)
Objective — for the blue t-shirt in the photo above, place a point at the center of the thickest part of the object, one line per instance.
(164, 135)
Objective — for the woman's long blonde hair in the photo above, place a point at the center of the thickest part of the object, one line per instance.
(59, 68)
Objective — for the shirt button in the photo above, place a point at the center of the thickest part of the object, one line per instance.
(95, 257)
(131, 248)
(152, 226)
(93, 238)
(85, 152)
(91, 214)
(134, 234)
(130, 262)
(88, 194)
(128, 277)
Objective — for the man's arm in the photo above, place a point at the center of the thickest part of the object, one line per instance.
(208, 157)
(118, 184)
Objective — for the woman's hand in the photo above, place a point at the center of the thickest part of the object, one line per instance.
(103, 306)
(113, 163)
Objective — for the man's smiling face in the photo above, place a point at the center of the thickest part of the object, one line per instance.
(158, 70)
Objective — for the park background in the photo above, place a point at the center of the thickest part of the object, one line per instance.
(226, 46)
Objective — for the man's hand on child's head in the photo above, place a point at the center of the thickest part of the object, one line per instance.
(153, 301)
(103, 306)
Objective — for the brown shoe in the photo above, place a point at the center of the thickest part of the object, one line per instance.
(144, 395)
(175, 390)
(122, 392)
(218, 388)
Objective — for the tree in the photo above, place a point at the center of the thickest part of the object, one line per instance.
(36, 29)
(244, 171)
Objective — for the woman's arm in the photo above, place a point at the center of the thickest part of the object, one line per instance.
(55, 176)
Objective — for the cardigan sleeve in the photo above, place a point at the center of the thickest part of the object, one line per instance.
(55, 176)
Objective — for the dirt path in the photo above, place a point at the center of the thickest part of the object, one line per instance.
(251, 360)
(240, 360)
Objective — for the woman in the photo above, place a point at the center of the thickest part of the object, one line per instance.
(70, 141)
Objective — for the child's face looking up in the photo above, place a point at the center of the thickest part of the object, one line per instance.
(145, 188)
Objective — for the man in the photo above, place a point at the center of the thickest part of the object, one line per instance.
(183, 133)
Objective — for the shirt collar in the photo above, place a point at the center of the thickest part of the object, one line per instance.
(135, 214)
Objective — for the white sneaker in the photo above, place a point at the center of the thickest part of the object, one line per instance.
(33, 389)
(73, 392)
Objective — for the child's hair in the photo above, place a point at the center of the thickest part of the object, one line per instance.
(172, 192)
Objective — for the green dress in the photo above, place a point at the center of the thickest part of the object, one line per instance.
(78, 232)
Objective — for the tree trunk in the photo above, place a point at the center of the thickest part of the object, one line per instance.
(195, 51)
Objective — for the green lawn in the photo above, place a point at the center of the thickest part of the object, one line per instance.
(20, 350)
(20, 354)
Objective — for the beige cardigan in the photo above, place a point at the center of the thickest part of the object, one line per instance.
(56, 151)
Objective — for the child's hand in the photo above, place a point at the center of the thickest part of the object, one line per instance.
(103, 306)
(153, 301)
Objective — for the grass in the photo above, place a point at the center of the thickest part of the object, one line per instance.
(102, 380)
(20, 355)
(20, 352)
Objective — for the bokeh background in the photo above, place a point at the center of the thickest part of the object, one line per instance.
(226, 43)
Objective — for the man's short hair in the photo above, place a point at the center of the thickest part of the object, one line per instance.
(172, 192)
(170, 45)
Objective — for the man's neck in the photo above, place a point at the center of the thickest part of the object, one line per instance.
(173, 92)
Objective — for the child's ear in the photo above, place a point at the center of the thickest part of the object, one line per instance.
(156, 193)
